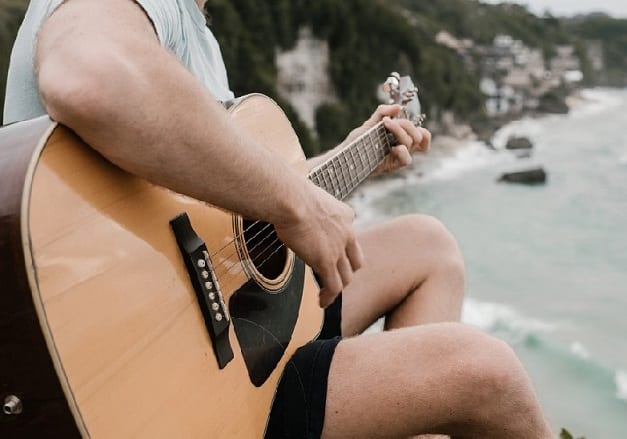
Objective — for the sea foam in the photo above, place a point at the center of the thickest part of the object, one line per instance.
(621, 385)
(502, 320)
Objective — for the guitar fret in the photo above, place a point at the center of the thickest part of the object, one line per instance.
(328, 186)
(337, 172)
(315, 177)
(389, 138)
(363, 165)
(337, 188)
(345, 173)
(353, 167)
(383, 141)
(350, 166)
(376, 150)
(368, 157)
(342, 165)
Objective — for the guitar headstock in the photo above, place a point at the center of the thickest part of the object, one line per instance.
(401, 90)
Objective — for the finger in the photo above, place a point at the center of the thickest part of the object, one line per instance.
(402, 137)
(421, 137)
(425, 143)
(326, 298)
(331, 287)
(355, 254)
(414, 132)
(383, 111)
(346, 271)
(401, 155)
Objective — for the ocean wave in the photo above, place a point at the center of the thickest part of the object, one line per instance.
(531, 334)
(437, 166)
(572, 364)
(525, 127)
(502, 320)
(473, 156)
(621, 385)
(596, 100)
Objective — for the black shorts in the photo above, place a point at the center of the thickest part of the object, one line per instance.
(299, 403)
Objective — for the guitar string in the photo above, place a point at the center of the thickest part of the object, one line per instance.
(381, 135)
(239, 267)
(232, 278)
(360, 176)
(282, 244)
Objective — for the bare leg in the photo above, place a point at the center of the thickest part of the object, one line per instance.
(413, 273)
(443, 378)
(432, 379)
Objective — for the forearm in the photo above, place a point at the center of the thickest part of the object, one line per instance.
(134, 103)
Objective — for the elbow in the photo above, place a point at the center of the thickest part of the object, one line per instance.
(71, 90)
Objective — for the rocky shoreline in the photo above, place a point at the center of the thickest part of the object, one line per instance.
(449, 136)
(457, 148)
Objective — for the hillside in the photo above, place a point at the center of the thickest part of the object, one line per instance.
(367, 39)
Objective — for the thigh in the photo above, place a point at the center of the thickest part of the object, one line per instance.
(398, 257)
(406, 382)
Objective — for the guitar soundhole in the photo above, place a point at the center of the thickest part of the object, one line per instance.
(267, 253)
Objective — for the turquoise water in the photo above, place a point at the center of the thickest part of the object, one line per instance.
(547, 265)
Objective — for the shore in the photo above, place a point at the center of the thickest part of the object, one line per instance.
(456, 148)
(545, 264)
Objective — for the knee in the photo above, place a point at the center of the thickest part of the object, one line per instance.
(494, 367)
(481, 382)
(429, 233)
(492, 376)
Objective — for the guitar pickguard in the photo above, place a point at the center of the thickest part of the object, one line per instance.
(264, 322)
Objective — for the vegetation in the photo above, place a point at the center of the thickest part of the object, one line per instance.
(11, 13)
(611, 34)
(565, 434)
(367, 40)
(370, 38)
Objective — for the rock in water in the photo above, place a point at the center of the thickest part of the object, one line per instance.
(518, 143)
(529, 176)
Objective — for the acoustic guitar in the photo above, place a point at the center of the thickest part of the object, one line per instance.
(128, 310)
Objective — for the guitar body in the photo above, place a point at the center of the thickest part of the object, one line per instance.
(100, 321)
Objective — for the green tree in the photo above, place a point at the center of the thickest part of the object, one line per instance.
(11, 15)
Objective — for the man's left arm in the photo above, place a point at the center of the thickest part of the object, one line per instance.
(410, 139)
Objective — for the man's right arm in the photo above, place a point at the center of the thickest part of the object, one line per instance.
(102, 72)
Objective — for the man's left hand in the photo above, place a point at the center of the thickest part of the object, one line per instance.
(410, 137)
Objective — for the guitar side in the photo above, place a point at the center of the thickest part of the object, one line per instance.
(27, 370)
(115, 302)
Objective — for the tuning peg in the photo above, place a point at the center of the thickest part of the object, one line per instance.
(419, 119)
(393, 83)
(392, 87)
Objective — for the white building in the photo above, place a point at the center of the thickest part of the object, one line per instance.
(303, 76)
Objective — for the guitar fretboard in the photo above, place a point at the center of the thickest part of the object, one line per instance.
(343, 172)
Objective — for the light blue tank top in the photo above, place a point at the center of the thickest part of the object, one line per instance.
(180, 26)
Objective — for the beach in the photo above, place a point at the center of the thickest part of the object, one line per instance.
(546, 264)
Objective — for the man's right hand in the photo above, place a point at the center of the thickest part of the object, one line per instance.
(322, 235)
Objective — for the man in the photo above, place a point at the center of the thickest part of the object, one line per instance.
(140, 81)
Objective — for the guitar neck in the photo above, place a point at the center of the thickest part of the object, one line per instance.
(344, 171)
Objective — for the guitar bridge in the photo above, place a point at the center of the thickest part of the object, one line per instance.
(206, 286)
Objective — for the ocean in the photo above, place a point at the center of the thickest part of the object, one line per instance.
(546, 264)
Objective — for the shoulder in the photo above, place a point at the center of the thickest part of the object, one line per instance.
(165, 17)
